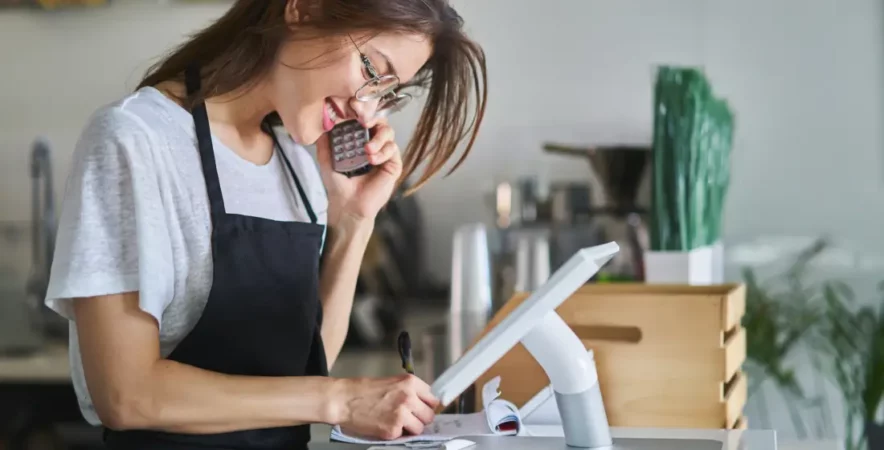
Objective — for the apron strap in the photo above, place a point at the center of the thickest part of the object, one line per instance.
(204, 141)
(269, 130)
(207, 152)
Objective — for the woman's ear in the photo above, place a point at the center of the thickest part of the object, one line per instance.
(292, 16)
(297, 11)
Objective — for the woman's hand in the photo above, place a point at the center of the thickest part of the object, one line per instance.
(363, 196)
(386, 408)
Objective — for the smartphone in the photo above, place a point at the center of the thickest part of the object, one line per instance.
(347, 143)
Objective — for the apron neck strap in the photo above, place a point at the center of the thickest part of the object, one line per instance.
(304, 199)
(207, 152)
(204, 141)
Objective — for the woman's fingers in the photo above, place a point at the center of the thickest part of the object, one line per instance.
(421, 410)
(381, 134)
(386, 153)
(382, 150)
(412, 425)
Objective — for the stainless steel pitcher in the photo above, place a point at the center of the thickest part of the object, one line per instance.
(470, 307)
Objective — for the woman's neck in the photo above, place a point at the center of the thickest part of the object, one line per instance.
(242, 111)
(236, 120)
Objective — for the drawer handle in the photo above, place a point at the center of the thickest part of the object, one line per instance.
(612, 333)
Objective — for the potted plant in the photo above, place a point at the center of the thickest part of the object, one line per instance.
(852, 340)
(781, 312)
(793, 308)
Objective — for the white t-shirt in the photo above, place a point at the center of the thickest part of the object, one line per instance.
(135, 215)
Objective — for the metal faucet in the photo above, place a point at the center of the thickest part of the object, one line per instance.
(43, 225)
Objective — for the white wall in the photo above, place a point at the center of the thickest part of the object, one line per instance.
(58, 67)
(806, 78)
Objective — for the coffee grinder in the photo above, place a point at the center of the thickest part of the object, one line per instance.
(621, 188)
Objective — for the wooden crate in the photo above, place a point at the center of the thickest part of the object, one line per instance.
(667, 355)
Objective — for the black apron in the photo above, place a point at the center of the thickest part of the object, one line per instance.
(263, 314)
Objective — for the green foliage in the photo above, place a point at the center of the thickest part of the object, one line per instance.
(780, 312)
(692, 144)
(852, 343)
(847, 342)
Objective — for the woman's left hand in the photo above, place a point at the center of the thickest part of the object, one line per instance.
(362, 197)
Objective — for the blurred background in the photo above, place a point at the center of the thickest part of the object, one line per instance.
(563, 161)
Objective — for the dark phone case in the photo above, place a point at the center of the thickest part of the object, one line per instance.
(347, 141)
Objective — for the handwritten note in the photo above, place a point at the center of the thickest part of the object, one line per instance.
(444, 428)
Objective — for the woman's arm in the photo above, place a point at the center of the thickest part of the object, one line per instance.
(132, 387)
(347, 239)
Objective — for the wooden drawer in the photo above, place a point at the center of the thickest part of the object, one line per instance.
(664, 315)
(667, 356)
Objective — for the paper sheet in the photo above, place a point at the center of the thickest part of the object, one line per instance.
(444, 428)
(500, 417)
(454, 444)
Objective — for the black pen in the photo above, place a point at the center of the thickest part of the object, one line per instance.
(405, 352)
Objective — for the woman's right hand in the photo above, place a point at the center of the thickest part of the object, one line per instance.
(386, 408)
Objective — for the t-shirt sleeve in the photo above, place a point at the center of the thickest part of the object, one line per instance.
(112, 233)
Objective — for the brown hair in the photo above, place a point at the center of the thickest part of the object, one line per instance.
(239, 48)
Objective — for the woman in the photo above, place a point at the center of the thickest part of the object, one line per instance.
(188, 253)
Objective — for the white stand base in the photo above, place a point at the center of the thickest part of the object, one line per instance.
(574, 379)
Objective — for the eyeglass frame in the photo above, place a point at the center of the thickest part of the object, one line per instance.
(375, 77)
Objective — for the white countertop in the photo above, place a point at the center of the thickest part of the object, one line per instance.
(732, 439)
(549, 438)
(794, 444)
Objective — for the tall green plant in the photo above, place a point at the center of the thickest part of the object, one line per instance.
(693, 138)
(794, 307)
(781, 312)
(853, 342)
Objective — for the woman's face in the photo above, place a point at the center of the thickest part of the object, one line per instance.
(313, 85)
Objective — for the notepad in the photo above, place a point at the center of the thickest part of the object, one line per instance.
(502, 416)
(499, 417)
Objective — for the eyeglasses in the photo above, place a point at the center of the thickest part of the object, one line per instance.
(383, 88)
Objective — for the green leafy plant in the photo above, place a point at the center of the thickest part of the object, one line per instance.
(781, 312)
(796, 309)
(852, 341)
